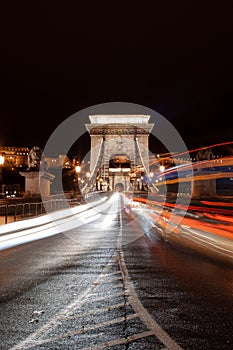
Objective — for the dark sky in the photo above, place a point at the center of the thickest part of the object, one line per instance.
(175, 57)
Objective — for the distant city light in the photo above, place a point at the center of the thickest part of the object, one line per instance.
(162, 168)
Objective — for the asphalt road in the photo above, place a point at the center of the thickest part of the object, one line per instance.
(108, 285)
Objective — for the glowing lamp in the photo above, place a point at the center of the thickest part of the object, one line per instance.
(2, 160)
(162, 168)
(78, 168)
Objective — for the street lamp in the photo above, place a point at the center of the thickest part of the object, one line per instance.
(77, 169)
(162, 168)
(2, 160)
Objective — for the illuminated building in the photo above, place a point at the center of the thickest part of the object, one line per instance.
(15, 157)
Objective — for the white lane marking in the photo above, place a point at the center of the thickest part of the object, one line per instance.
(113, 273)
(144, 315)
(42, 331)
(103, 288)
(104, 297)
(85, 329)
(120, 341)
(111, 280)
(154, 328)
(95, 312)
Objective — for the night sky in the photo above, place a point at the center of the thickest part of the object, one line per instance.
(175, 57)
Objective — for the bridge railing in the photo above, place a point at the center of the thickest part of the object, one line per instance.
(92, 196)
(20, 211)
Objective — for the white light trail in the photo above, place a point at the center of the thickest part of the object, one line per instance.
(51, 224)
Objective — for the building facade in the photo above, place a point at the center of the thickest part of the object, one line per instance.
(14, 157)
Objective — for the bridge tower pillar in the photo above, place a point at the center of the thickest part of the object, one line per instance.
(119, 149)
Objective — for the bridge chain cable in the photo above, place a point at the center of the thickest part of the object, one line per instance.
(150, 185)
(95, 169)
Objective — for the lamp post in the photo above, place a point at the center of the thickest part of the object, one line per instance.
(77, 171)
(2, 160)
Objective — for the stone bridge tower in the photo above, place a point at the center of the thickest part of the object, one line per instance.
(119, 150)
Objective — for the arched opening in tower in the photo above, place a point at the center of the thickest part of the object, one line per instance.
(119, 187)
(119, 172)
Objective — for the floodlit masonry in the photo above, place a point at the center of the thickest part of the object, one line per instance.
(119, 151)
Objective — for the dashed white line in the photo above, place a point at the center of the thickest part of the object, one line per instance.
(84, 330)
(120, 341)
(95, 312)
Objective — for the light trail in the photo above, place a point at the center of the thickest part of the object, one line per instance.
(177, 171)
(210, 229)
(92, 299)
(195, 150)
(183, 207)
(219, 204)
(54, 223)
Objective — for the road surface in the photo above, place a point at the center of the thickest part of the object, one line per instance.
(106, 284)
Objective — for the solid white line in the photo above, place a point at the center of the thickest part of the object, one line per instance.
(144, 315)
(42, 331)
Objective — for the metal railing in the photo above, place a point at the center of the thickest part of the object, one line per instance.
(20, 211)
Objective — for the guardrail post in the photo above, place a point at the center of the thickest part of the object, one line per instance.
(6, 213)
(15, 212)
(27, 209)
